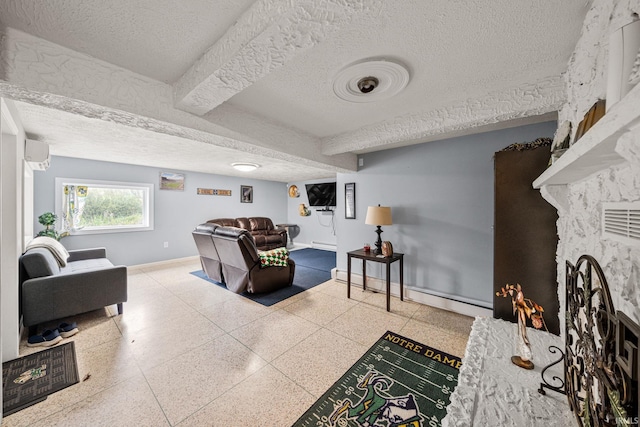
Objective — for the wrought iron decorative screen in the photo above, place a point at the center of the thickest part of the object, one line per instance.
(601, 351)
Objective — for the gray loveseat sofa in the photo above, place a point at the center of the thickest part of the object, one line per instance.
(87, 282)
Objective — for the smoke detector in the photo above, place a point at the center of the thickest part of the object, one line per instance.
(370, 80)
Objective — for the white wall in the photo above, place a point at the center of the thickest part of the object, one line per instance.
(319, 227)
(11, 226)
(579, 222)
(176, 212)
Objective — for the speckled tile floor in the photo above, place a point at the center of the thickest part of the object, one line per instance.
(188, 353)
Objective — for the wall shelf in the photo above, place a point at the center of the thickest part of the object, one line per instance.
(596, 150)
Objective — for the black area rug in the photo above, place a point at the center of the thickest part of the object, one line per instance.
(313, 267)
(30, 379)
(398, 382)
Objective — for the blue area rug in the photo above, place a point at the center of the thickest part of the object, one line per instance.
(314, 258)
(313, 266)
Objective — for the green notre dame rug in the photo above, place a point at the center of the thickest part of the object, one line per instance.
(397, 383)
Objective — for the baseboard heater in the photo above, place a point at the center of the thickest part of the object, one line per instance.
(323, 245)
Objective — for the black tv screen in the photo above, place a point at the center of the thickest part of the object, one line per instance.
(322, 194)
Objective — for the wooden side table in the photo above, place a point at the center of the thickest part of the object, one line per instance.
(370, 256)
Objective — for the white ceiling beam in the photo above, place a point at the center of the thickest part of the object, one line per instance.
(267, 36)
(530, 100)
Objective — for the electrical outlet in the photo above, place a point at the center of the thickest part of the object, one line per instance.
(360, 162)
(166, 244)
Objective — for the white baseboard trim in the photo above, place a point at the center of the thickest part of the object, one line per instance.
(165, 262)
(313, 245)
(324, 245)
(297, 246)
(415, 295)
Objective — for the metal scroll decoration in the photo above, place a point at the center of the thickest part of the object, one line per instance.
(601, 352)
(559, 387)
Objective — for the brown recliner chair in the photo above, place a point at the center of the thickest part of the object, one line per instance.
(264, 234)
(241, 263)
(209, 258)
(224, 222)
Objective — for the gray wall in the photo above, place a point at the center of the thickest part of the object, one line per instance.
(441, 195)
(176, 212)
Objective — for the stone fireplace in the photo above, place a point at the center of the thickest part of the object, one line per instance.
(603, 166)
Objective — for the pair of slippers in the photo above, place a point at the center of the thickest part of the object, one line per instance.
(53, 336)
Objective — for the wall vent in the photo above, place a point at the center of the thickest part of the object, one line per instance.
(621, 221)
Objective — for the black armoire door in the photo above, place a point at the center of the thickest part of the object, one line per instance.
(525, 236)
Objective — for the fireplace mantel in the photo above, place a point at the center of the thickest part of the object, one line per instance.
(598, 148)
(492, 391)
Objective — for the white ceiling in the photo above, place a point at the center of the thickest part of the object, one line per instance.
(197, 85)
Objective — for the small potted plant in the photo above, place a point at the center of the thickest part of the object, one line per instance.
(48, 219)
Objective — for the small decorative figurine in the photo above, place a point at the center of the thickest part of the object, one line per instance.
(387, 249)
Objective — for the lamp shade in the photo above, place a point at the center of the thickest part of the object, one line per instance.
(378, 215)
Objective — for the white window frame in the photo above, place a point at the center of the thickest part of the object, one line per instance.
(148, 201)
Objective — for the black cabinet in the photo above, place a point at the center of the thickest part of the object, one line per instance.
(525, 236)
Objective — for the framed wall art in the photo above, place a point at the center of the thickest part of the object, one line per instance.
(246, 194)
(171, 181)
(213, 192)
(350, 200)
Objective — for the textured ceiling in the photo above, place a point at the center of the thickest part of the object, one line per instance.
(196, 85)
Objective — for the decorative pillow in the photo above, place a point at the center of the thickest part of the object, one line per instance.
(275, 257)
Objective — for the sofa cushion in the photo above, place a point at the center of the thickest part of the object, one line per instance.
(268, 241)
(233, 232)
(260, 223)
(58, 251)
(86, 265)
(275, 257)
(39, 262)
(224, 222)
(207, 227)
(243, 222)
(261, 229)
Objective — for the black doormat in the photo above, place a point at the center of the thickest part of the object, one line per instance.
(398, 382)
(30, 379)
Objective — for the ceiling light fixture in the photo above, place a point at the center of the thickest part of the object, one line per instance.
(245, 167)
(367, 84)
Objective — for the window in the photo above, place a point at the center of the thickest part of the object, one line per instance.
(88, 206)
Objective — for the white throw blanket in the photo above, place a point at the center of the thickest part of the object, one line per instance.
(58, 251)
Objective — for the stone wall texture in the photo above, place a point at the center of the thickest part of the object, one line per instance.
(579, 223)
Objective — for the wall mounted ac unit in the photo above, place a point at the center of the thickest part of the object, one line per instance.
(36, 153)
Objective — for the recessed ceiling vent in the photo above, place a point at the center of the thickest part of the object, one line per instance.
(621, 221)
(370, 80)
